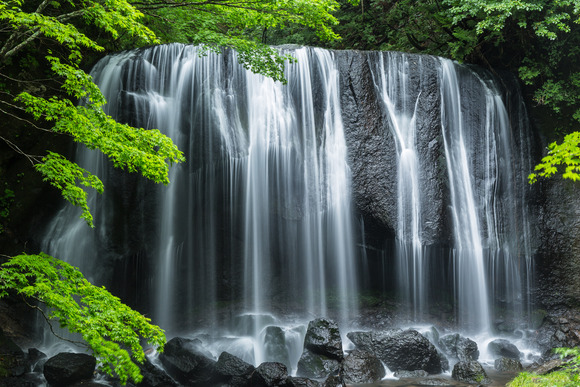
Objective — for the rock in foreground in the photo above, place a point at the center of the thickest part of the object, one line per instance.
(400, 350)
(68, 368)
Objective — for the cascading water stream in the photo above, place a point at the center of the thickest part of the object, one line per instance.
(255, 234)
(487, 191)
(264, 195)
(468, 259)
(400, 105)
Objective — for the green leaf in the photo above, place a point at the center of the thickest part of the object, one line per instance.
(111, 329)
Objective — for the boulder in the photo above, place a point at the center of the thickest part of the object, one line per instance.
(503, 348)
(187, 362)
(301, 382)
(69, 368)
(400, 350)
(436, 382)
(232, 370)
(312, 365)
(269, 374)
(507, 364)
(333, 381)
(36, 359)
(470, 372)
(154, 376)
(26, 380)
(459, 347)
(12, 358)
(323, 338)
(362, 367)
(275, 346)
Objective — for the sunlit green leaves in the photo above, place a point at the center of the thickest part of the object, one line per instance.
(233, 24)
(147, 152)
(112, 330)
(567, 375)
(50, 20)
(566, 153)
(67, 176)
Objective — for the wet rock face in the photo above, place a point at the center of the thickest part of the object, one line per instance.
(69, 368)
(323, 338)
(369, 137)
(186, 361)
(12, 358)
(560, 328)
(470, 372)
(362, 367)
(459, 347)
(558, 258)
(503, 348)
(507, 364)
(312, 365)
(400, 350)
(269, 374)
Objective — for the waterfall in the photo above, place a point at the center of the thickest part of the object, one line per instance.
(484, 181)
(263, 199)
(264, 225)
(468, 259)
(491, 228)
(400, 100)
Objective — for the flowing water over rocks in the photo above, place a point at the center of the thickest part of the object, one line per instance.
(381, 190)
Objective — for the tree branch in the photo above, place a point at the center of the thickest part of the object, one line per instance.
(33, 159)
(10, 47)
(20, 118)
(47, 319)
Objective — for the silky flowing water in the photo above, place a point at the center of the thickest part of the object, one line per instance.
(258, 228)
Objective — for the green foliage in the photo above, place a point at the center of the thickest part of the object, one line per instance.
(568, 376)
(55, 26)
(567, 153)
(542, 38)
(66, 176)
(241, 25)
(111, 329)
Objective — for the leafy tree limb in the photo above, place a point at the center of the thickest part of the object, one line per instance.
(111, 329)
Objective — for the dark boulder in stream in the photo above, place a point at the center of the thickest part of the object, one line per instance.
(362, 367)
(269, 374)
(400, 350)
(323, 338)
(312, 365)
(459, 347)
(470, 372)
(68, 368)
(503, 348)
(186, 361)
